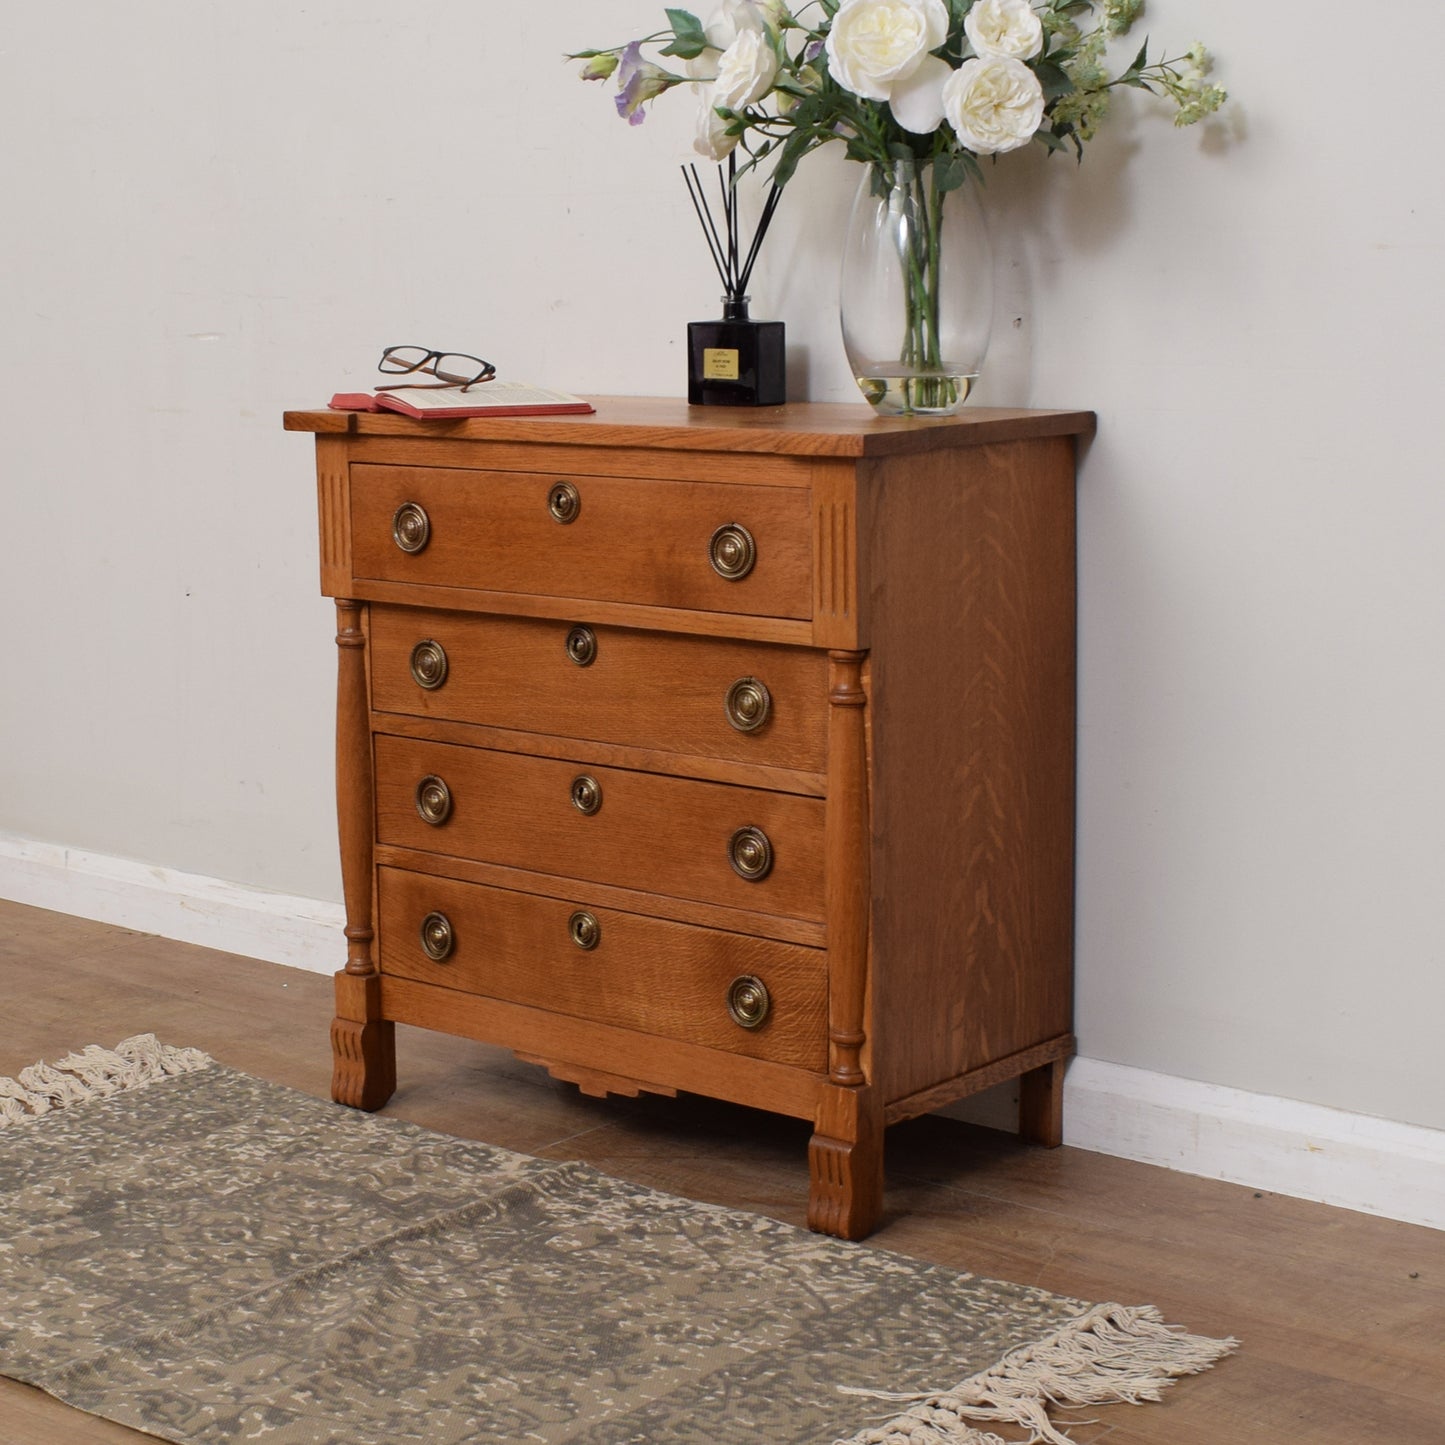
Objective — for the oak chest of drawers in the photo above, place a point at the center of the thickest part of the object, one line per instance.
(722, 753)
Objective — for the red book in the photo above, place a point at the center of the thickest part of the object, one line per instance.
(486, 398)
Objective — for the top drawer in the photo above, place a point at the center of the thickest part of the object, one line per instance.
(703, 546)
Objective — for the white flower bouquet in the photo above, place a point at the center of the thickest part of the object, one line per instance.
(918, 90)
(928, 79)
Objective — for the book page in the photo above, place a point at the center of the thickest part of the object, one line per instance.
(484, 394)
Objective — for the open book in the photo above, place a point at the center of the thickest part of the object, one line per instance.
(486, 398)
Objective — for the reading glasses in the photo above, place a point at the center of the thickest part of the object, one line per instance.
(451, 368)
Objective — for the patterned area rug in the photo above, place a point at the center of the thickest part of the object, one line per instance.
(208, 1257)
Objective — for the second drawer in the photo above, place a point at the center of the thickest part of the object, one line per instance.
(743, 701)
(741, 847)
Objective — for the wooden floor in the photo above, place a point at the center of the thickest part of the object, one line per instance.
(1341, 1316)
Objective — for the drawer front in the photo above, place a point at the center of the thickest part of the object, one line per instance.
(607, 684)
(627, 540)
(661, 978)
(649, 832)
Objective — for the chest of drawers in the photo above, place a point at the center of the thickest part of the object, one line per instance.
(729, 754)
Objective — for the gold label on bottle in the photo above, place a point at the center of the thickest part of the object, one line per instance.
(719, 363)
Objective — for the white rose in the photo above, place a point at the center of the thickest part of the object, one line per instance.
(874, 44)
(726, 24)
(711, 138)
(1004, 30)
(746, 72)
(722, 29)
(917, 103)
(994, 105)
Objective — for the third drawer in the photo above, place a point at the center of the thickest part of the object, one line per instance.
(746, 848)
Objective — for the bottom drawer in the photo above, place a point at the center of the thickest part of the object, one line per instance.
(634, 972)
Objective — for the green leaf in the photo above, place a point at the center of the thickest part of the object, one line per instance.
(690, 38)
(1054, 80)
(794, 149)
(950, 171)
(685, 24)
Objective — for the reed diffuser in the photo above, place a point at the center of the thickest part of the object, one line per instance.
(734, 361)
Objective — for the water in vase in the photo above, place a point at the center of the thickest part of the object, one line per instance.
(894, 391)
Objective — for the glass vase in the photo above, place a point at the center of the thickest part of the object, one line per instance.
(917, 288)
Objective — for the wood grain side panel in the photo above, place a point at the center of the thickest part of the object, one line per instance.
(973, 747)
(663, 834)
(633, 540)
(647, 974)
(649, 690)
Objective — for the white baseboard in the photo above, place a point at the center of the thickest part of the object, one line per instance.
(1353, 1161)
(1281, 1146)
(299, 932)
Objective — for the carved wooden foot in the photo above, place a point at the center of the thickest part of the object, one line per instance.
(363, 1044)
(1041, 1105)
(845, 1166)
(363, 1059)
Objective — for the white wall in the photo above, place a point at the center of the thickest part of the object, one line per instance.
(215, 211)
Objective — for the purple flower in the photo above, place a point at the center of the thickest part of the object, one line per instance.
(638, 81)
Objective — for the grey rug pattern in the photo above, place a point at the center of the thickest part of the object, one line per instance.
(211, 1258)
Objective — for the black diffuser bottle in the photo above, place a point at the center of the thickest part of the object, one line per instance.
(735, 361)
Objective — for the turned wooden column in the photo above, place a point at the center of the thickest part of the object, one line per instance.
(363, 1044)
(845, 1156)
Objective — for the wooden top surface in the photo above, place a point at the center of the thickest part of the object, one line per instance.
(814, 429)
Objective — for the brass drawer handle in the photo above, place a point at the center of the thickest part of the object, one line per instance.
(586, 795)
(584, 930)
(429, 664)
(433, 800)
(564, 502)
(437, 937)
(732, 551)
(751, 854)
(582, 646)
(411, 527)
(749, 1002)
(748, 704)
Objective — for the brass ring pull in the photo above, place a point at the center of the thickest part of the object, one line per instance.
(437, 937)
(582, 646)
(584, 930)
(429, 664)
(411, 527)
(564, 502)
(732, 551)
(433, 800)
(748, 704)
(751, 854)
(586, 795)
(749, 1002)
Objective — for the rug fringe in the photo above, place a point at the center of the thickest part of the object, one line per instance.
(94, 1073)
(1110, 1355)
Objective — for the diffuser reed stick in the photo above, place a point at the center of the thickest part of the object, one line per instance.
(734, 268)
